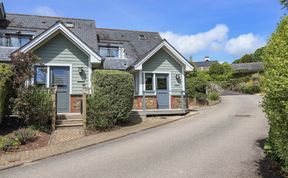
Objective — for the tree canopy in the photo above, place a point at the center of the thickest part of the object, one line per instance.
(284, 3)
(254, 57)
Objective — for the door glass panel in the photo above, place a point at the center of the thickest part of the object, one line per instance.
(149, 81)
(162, 82)
(60, 77)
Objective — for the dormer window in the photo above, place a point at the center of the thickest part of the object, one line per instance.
(110, 51)
(69, 24)
(142, 37)
(14, 40)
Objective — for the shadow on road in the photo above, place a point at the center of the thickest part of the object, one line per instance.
(267, 168)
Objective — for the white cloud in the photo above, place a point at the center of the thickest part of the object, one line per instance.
(214, 40)
(246, 43)
(45, 11)
(191, 44)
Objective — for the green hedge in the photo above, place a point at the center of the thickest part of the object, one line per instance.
(5, 88)
(112, 98)
(276, 92)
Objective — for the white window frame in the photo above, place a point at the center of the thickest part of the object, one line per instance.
(154, 93)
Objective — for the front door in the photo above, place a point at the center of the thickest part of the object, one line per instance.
(60, 78)
(162, 91)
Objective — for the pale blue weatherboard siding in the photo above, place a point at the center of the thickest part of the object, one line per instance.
(59, 50)
(162, 61)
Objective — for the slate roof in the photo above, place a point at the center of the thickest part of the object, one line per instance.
(85, 29)
(204, 63)
(34, 25)
(249, 67)
(135, 48)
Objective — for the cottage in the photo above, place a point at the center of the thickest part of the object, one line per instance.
(72, 48)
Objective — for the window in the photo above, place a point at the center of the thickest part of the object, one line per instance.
(148, 82)
(142, 37)
(40, 75)
(161, 82)
(109, 52)
(69, 24)
(14, 40)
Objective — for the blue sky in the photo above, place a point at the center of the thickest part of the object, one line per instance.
(221, 29)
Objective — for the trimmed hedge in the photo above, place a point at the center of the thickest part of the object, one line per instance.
(112, 98)
(5, 86)
(276, 92)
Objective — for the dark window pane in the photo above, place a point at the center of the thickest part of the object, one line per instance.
(162, 82)
(149, 81)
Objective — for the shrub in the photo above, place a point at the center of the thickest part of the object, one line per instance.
(5, 88)
(250, 88)
(8, 143)
(213, 96)
(201, 98)
(112, 98)
(220, 72)
(196, 83)
(25, 135)
(100, 115)
(34, 105)
(275, 101)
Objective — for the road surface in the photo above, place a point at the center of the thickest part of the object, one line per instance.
(221, 141)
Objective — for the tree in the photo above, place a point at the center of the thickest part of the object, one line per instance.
(22, 67)
(216, 69)
(284, 3)
(258, 55)
(244, 59)
(276, 88)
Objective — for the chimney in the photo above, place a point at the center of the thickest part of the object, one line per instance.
(2, 12)
(206, 58)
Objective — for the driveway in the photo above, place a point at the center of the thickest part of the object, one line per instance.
(221, 141)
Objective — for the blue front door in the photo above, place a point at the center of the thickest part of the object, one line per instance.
(60, 77)
(162, 91)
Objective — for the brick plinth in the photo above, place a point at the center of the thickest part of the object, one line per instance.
(75, 103)
(151, 102)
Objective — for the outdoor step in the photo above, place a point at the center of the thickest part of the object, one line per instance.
(69, 116)
(69, 121)
(69, 126)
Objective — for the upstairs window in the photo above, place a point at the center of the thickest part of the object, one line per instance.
(110, 52)
(142, 37)
(14, 40)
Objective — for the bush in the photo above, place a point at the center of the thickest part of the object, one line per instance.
(275, 101)
(201, 98)
(112, 98)
(100, 115)
(213, 96)
(34, 105)
(8, 143)
(250, 88)
(5, 88)
(220, 72)
(25, 135)
(196, 83)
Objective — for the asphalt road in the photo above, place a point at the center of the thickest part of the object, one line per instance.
(221, 141)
